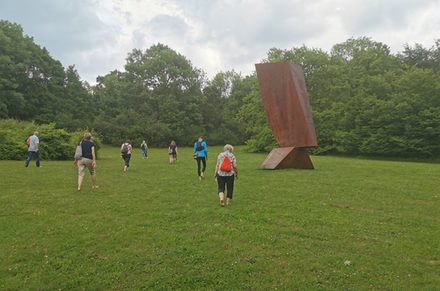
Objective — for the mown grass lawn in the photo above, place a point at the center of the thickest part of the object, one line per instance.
(349, 224)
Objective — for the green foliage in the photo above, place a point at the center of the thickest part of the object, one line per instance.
(225, 95)
(351, 224)
(421, 57)
(35, 87)
(55, 143)
(158, 98)
(365, 101)
(252, 115)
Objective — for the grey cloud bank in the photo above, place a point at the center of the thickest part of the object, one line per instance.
(96, 36)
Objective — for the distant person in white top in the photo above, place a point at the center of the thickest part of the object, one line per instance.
(144, 149)
(225, 172)
(33, 152)
(126, 154)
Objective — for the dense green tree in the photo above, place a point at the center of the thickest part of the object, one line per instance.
(162, 90)
(30, 79)
(77, 108)
(34, 86)
(225, 94)
(365, 100)
(426, 58)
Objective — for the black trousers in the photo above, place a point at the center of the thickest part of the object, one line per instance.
(227, 181)
(126, 159)
(203, 160)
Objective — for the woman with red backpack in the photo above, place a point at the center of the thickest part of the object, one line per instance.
(225, 172)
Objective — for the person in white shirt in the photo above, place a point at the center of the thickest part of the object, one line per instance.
(33, 152)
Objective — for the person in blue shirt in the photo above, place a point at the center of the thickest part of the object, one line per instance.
(201, 155)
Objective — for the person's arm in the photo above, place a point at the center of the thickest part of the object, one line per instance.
(234, 165)
(37, 143)
(94, 157)
(195, 147)
(206, 151)
(216, 169)
(217, 166)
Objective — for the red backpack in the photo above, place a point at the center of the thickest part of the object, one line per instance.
(28, 140)
(226, 165)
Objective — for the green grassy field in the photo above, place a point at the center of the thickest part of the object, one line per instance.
(348, 224)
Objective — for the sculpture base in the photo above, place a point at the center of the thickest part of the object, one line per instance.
(287, 157)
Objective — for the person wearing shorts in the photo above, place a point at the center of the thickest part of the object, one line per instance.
(87, 160)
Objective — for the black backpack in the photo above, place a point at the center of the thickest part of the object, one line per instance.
(124, 150)
(199, 147)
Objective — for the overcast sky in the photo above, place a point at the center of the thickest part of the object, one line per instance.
(215, 35)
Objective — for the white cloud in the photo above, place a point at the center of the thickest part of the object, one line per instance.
(97, 35)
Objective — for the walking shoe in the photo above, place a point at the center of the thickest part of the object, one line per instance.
(228, 201)
(222, 203)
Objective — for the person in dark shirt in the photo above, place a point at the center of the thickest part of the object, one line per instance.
(126, 149)
(172, 152)
(87, 160)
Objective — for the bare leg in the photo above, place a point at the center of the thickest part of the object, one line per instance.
(221, 195)
(94, 181)
(80, 180)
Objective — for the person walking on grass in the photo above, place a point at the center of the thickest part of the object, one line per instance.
(33, 142)
(201, 155)
(87, 160)
(126, 154)
(144, 149)
(172, 152)
(226, 172)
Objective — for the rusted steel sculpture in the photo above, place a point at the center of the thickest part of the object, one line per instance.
(287, 107)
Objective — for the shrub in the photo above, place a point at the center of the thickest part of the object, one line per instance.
(55, 144)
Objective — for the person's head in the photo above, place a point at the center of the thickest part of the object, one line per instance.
(228, 148)
(128, 141)
(36, 133)
(173, 142)
(87, 136)
(200, 139)
(144, 141)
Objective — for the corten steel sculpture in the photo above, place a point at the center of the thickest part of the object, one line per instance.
(287, 107)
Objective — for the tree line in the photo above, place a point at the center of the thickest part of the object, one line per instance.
(365, 99)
